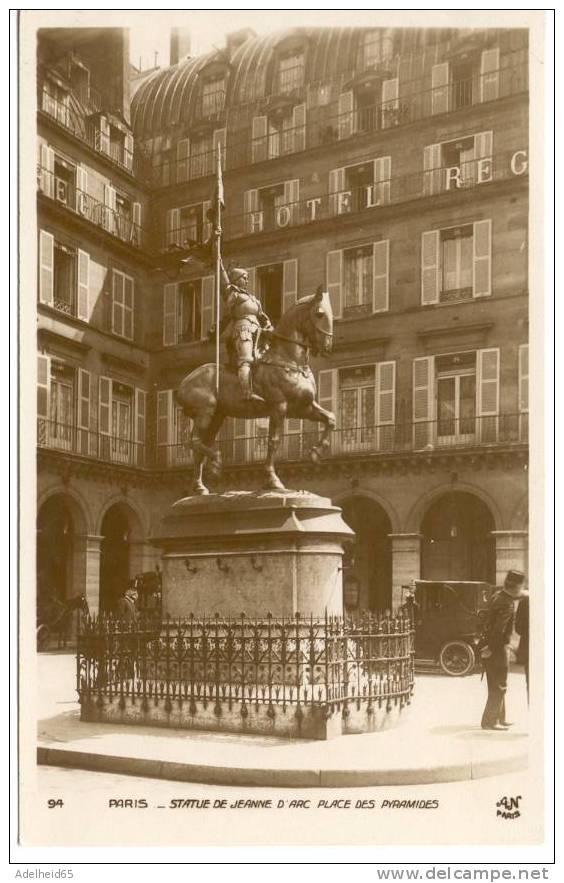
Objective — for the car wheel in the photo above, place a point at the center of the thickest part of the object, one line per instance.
(457, 658)
(42, 637)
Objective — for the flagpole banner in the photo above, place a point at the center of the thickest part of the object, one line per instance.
(282, 465)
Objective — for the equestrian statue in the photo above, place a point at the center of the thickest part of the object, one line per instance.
(267, 373)
(273, 380)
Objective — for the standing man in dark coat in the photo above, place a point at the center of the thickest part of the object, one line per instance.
(498, 631)
(522, 629)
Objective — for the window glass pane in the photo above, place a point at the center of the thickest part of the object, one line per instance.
(450, 253)
(465, 262)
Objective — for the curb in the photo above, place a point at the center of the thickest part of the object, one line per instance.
(282, 778)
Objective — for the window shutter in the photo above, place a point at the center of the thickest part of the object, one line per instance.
(164, 426)
(47, 173)
(483, 145)
(385, 404)
(104, 135)
(259, 139)
(382, 178)
(381, 285)
(292, 199)
(440, 75)
(327, 398)
(423, 378)
(487, 393)
(182, 160)
(128, 151)
(43, 395)
(299, 126)
(81, 190)
(128, 307)
(432, 172)
(117, 302)
(482, 264)
(139, 428)
(110, 207)
(289, 284)
(208, 306)
(220, 140)
(336, 186)
(390, 102)
(489, 75)
(430, 242)
(83, 308)
(104, 414)
(346, 115)
(85, 438)
(173, 226)
(206, 223)
(253, 216)
(251, 285)
(335, 281)
(524, 392)
(137, 213)
(170, 302)
(46, 264)
(524, 378)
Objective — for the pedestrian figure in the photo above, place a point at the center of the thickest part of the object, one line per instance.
(495, 655)
(522, 629)
(127, 605)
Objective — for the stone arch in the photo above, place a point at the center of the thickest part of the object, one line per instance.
(141, 525)
(369, 494)
(457, 538)
(62, 526)
(417, 511)
(79, 505)
(367, 571)
(121, 531)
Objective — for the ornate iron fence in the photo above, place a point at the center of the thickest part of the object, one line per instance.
(319, 664)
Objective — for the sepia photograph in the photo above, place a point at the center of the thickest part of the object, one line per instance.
(280, 272)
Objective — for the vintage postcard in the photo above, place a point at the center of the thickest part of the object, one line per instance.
(281, 308)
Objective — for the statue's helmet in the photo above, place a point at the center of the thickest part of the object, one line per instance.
(236, 274)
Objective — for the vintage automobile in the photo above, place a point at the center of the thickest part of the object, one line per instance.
(449, 618)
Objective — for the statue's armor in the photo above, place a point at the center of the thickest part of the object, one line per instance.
(245, 310)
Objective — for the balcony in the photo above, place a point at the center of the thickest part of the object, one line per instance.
(380, 442)
(66, 115)
(211, 107)
(70, 439)
(63, 192)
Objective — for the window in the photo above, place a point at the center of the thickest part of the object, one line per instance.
(189, 318)
(375, 47)
(357, 389)
(55, 102)
(65, 181)
(79, 76)
(358, 280)
(64, 278)
(62, 397)
(464, 82)
(370, 108)
(456, 261)
(272, 207)
(455, 378)
(121, 422)
(269, 289)
(122, 305)
(117, 145)
(278, 134)
(462, 85)
(213, 97)
(290, 73)
(464, 162)
(188, 225)
(201, 156)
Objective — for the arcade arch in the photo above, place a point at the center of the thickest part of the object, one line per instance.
(457, 541)
(372, 551)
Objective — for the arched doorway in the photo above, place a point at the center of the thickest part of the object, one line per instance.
(118, 525)
(457, 542)
(372, 551)
(55, 548)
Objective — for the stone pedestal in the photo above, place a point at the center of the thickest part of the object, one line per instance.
(277, 552)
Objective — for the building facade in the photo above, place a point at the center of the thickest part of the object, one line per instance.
(390, 166)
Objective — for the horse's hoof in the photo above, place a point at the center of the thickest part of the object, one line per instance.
(199, 490)
(274, 485)
(314, 456)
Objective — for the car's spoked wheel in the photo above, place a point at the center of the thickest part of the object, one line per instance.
(457, 658)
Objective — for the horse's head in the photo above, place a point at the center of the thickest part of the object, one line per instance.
(318, 326)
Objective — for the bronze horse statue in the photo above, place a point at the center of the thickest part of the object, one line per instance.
(282, 377)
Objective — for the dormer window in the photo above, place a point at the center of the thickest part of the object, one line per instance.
(79, 77)
(213, 98)
(374, 48)
(290, 73)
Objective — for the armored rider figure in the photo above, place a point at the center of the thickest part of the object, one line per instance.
(246, 321)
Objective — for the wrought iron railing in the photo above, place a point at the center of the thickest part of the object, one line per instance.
(212, 105)
(382, 440)
(65, 193)
(79, 125)
(284, 662)
(74, 440)
(325, 124)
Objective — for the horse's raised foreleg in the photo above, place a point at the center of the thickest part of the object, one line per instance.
(319, 415)
(275, 425)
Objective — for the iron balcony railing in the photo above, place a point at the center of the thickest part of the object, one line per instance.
(212, 105)
(72, 439)
(394, 190)
(326, 124)
(277, 662)
(85, 129)
(64, 192)
(382, 440)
